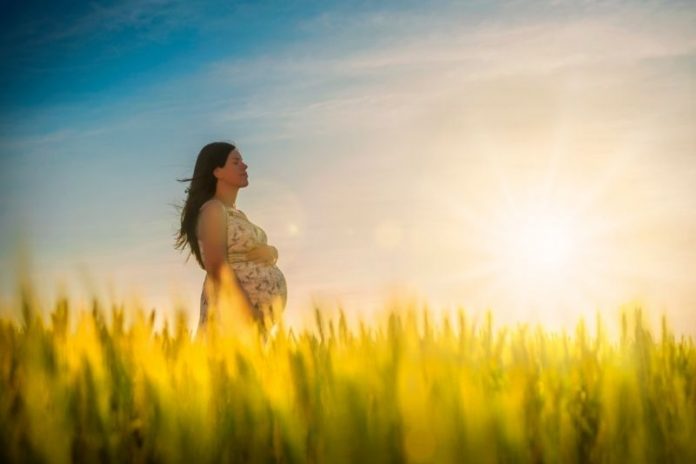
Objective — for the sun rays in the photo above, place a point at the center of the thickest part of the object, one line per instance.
(544, 241)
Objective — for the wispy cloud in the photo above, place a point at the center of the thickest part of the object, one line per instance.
(317, 85)
(362, 85)
(152, 18)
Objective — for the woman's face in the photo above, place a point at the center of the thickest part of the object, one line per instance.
(234, 172)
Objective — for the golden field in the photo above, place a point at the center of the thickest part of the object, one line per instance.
(411, 389)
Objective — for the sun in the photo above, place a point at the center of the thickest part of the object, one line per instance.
(541, 245)
(540, 255)
(536, 250)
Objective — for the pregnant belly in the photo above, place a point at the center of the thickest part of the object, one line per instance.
(262, 282)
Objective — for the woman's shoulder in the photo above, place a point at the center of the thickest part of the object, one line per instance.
(213, 203)
(212, 212)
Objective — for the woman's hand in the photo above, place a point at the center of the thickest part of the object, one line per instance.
(263, 254)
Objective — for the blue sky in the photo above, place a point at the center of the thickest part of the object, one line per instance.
(384, 141)
(60, 53)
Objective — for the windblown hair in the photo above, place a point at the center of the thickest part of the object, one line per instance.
(202, 188)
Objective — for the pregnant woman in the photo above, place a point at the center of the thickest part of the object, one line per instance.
(232, 250)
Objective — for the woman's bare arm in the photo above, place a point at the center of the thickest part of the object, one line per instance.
(213, 236)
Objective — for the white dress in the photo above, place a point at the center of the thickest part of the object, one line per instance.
(262, 282)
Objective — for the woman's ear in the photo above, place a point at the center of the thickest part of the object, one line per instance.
(216, 172)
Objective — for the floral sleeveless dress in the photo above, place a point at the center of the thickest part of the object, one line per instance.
(263, 283)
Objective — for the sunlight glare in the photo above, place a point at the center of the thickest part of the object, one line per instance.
(538, 249)
(543, 244)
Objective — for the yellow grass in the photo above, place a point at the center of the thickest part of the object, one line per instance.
(406, 390)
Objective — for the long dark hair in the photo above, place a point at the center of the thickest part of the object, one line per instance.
(202, 188)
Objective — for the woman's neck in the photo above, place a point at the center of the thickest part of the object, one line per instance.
(226, 194)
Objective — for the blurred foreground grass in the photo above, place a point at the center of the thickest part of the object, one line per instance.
(407, 390)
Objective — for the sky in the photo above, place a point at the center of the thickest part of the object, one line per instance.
(533, 158)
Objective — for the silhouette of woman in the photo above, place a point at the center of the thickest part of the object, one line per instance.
(225, 242)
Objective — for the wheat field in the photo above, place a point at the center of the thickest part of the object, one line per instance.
(412, 389)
